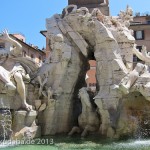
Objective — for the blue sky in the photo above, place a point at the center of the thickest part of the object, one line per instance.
(28, 16)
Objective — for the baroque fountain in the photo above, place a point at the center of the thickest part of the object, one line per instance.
(53, 99)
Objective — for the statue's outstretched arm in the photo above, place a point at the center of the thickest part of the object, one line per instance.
(5, 36)
(142, 55)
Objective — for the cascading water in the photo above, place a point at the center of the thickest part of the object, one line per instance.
(5, 122)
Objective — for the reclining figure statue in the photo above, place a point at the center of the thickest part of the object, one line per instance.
(11, 70)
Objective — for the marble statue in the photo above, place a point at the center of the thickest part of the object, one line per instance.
(12, 70)
(17, 93)
(132, 76)
(88, 120)
(72, 35)
(58, 58)
(143, 55)
(126, 16)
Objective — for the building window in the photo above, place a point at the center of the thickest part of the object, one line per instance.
(93, 67)
(24, 54)
(148, 22)
(92, 84)
(2, 45)
(139, 35)
(135, 58)
(32, 57)
(139, 48)
(40, 59)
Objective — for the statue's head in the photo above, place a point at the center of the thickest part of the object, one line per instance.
(56, 47)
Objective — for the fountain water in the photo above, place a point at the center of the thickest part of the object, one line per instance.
(5, 121)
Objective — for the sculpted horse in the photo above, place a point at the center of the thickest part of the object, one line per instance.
(88, 120)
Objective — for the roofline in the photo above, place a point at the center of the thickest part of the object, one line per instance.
(26, 44)
(141, 16)
(42, 32)
(140, 24)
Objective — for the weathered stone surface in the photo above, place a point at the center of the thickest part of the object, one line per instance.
(42, 107)
(27, 133)
(135, 111)
(22, 119)
(74, 38)
(37, 104)
(112, 44)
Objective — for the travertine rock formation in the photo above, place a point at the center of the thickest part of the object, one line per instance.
(75, 37)
(113, 45)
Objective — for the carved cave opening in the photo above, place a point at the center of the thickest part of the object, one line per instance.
(81, 82)
(77, 107)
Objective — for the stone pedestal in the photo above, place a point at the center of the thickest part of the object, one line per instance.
(23, 119)
(28, 133)
(24, 126)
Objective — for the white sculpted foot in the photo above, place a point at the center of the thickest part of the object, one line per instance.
(27, 107)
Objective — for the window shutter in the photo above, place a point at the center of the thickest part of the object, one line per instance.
(143, 34)
(135, 34)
